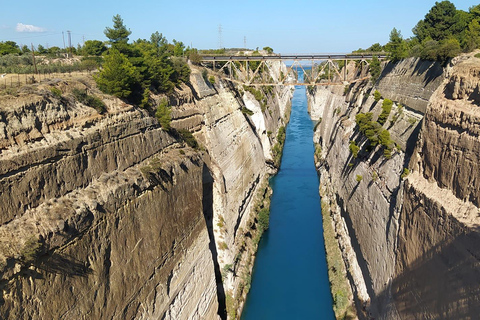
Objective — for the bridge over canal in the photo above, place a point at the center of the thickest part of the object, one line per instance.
(249, 69)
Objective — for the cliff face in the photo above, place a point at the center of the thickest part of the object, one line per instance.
(109, 216)
(394, 232)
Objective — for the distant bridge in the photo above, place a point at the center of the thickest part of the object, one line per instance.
(249, 70)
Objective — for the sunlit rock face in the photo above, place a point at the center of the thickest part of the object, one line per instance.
(410, 233)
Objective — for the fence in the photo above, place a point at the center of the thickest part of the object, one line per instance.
(16, 80)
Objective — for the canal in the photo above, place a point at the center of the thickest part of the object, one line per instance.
(290, 279)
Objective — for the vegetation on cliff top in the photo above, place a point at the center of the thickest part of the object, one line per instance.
(444, 33)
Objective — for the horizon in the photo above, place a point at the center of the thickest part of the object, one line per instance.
(213, 25)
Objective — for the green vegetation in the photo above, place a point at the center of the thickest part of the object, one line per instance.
(56, 92)
(318, 151)
(386, 109)
(263, 218)
(375, 69)
(131, 71)
(377, 95)
(247, 111)
(31, 250)
(231, 306)
(444, 33)
(259, 96)
(189, 139)
(374, 176)
(163, 114)
(354, 149)
(405, 173)
(88, 100)
(223, 245)
(374, 132)
(278, 147)
(359, 178)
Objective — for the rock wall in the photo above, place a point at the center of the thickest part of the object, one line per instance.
(108, 216)
(400, 225)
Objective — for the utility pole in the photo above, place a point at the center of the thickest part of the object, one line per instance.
(69, 41)
(34, 62)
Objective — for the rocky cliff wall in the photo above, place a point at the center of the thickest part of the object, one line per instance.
(390, 229)
(108, 216)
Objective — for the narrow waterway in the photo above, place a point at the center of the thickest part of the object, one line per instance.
(290, 279)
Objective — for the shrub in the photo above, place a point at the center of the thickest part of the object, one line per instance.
(374, 176)
(263, 218)
(189, 139)
(354, 148)
(223, 245)
(211, 79)
(56, 92)
(358, 178)
(88, 100)
(405, 173)
(247, 111)
(31, 250)
(163, 114)
(377, 95)
(386, 109)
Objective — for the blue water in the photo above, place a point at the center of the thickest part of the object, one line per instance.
(290, 279)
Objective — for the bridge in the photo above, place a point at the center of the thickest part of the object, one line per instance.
(250, 69)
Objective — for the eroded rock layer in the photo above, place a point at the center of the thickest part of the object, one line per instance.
(407, 236)
(108, 216)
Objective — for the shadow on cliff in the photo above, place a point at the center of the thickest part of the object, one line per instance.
(207, 201)
(64, 265)
(443, 283)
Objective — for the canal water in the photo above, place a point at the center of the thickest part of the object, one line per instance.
(290, 279)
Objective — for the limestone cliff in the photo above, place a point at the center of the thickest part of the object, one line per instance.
(108, 216)
(407, 239)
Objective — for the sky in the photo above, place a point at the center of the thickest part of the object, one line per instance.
(293, 26)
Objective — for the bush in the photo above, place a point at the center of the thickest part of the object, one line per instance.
(163, 114)
(386, 109)
(56, 92)
(263, 218)
(358, 178)
(247, 111)
(189, 139)
(405, 173)
(377, 95)
(31, 250)
(90, 101)
(354, 148)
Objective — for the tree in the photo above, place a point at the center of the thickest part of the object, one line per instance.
(118, 76)
(9, 47)
(119, 33)
(438, 22)
(397, 46)
(163, 114)
(41, 49)
(376, 47)
(375, 68)
(268, 49)
(178, 49)
(94, 48)
(471, 40)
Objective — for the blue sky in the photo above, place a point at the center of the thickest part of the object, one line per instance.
(294, 26)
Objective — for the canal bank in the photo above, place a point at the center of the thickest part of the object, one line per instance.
(290, 279)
